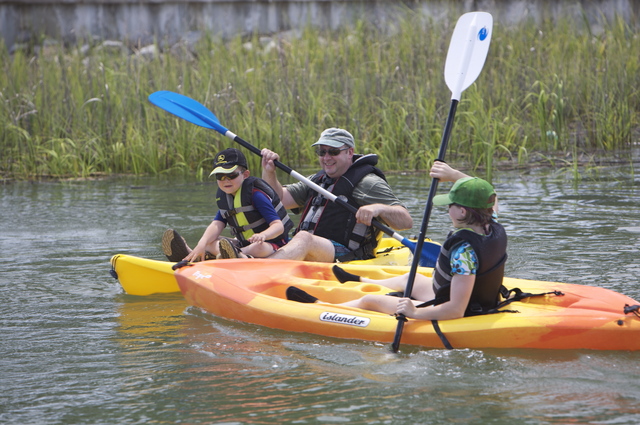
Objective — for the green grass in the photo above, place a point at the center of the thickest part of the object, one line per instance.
(549, 90)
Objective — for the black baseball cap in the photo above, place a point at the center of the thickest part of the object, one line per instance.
(228, 160)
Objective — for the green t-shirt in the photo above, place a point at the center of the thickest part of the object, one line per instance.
(372, 189)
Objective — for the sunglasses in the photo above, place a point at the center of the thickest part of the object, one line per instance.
(230, 176)
(330, 151)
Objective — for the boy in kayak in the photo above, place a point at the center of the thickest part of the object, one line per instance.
(468, 275)
(327, 231)
(251, 208)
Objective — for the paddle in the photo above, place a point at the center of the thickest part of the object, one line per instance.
(196, 113)
(465, 59)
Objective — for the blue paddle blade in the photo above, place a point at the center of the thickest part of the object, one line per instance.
(188, 109)
(430, 252)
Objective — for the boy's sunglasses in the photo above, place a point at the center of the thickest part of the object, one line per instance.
(330, 151)
(230, 176)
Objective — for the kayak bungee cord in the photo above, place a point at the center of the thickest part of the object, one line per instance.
(635, 309)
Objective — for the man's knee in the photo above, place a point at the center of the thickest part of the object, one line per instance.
(302, 238)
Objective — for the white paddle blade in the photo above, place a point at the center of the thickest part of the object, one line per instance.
(468, 51)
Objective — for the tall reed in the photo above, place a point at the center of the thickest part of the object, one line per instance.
(547, 90)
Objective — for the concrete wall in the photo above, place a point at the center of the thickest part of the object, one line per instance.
(140, 21)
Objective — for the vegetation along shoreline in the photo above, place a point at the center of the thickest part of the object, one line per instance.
(550, 94)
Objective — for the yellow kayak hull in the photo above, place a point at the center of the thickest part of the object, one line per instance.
(140, 276)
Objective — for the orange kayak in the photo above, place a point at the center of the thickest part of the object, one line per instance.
(253, 291)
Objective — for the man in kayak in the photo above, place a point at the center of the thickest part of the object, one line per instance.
(468, 275)
(327, 231)
(256, 217)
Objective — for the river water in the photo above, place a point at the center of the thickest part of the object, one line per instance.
(76, 350)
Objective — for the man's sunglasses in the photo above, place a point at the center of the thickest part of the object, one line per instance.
(230, 176)
(331, 151)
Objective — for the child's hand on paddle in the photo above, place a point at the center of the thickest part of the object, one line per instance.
(406, 307)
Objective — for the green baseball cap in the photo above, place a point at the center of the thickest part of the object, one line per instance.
(470, 192)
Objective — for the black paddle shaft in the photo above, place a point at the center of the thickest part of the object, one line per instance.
(257, 151)
(425, 222)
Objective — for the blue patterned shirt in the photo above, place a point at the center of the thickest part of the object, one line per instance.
(464, 260)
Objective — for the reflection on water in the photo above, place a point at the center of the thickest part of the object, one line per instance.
(77, 350)
(150, 321)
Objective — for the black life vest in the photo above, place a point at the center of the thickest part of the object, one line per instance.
(491, 251)
(243, 218)
(324, 218)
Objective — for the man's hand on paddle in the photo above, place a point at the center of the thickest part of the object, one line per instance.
(366, 213)
(267, 160)
(395, 216)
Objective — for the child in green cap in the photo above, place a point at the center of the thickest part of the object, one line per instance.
(468, 275)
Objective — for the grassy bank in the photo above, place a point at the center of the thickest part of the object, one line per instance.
(547, 91)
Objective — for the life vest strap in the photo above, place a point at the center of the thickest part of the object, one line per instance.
(253, 225)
